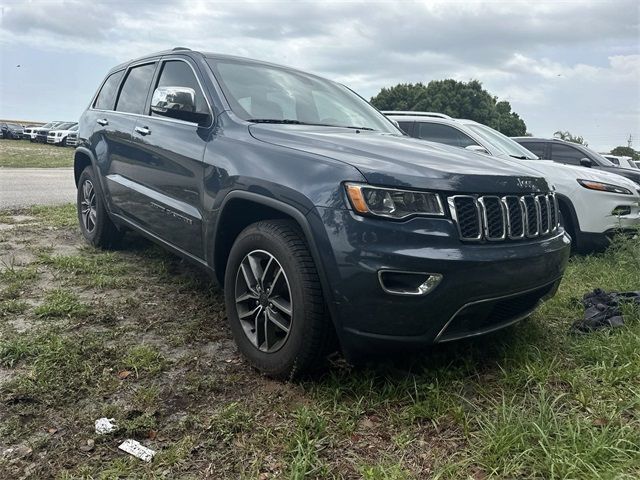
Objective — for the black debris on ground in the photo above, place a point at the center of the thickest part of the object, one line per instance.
(603, 310)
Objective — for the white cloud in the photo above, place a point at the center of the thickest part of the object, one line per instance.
(555, 61)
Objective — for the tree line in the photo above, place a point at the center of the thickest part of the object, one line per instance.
(467, 100)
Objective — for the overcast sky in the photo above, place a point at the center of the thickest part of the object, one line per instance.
(563, 64)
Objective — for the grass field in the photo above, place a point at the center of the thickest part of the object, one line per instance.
(23, 154)
(140, 336)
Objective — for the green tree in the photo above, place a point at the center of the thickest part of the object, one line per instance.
(569, 137)
(626, 152)
(453, 98)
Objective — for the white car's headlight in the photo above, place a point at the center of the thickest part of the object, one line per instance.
(392, 203)
(604, 187)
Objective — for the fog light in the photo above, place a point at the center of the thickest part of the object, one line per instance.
(399, 282)
(621, 210)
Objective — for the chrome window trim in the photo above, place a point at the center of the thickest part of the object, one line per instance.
(454, 215)
(485, 220)
(160, 60)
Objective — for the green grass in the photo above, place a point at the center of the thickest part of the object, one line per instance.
(22, 154)
(102, 270)
(14, 280)
(56, 216)
(532, 401)
(61, 303)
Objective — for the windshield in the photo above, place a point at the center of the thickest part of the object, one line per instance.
(502, 142)
(13, 125)
(65, 126)
(271, 94)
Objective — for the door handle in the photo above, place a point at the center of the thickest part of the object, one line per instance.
(102, 121)
(143, 130)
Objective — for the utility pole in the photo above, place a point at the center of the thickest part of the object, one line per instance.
(629, 141)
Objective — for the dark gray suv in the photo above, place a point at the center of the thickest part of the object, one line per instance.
(317, 215)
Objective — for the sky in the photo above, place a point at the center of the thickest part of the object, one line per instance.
(563, 64)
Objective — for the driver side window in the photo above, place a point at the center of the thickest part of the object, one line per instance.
(566, 154)
(176, 73)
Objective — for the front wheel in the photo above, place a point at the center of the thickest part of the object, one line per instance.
(95, 224)
(274, 300)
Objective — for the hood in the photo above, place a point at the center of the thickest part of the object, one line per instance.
(400, 161)
(564, 177)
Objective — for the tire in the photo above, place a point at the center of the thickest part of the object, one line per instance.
(263, 247)
(95, 224)
(566, 223)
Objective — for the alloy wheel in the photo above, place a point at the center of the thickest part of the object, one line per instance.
(88, 208)
(263, 301)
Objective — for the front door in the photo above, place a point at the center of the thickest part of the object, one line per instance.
(169, 165)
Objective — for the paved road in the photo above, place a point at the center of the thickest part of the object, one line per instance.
(21, 187)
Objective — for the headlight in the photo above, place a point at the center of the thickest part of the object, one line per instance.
(392, 203)
(604, 187)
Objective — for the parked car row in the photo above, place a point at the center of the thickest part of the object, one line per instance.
(11, 130)
(55, 133)
(320, 218)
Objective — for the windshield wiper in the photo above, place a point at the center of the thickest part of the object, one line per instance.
(355, 128)
(520, 157)
(277, 120)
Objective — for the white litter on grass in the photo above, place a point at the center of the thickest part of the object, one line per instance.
(105, 425)
(137, 450)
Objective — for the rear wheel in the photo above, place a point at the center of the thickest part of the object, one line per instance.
(95, 224)
(274, 300)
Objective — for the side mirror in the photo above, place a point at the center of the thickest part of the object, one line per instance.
(178, 103)
(477, 149)
(586, 162)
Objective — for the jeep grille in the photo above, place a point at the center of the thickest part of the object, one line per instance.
(512, 217)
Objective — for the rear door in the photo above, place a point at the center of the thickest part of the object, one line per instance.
(117, 154)
(169, 163)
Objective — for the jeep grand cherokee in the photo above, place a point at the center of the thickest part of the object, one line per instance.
(312, 210)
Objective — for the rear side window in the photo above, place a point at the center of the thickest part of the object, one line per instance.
(565, 154)
(436, 132)
(133, 94)
(176, 73)
(107, 96)
(535, 147)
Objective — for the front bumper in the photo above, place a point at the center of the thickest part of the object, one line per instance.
(484, 286)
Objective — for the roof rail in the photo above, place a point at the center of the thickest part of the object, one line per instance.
(407, 113)
(175, 49)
